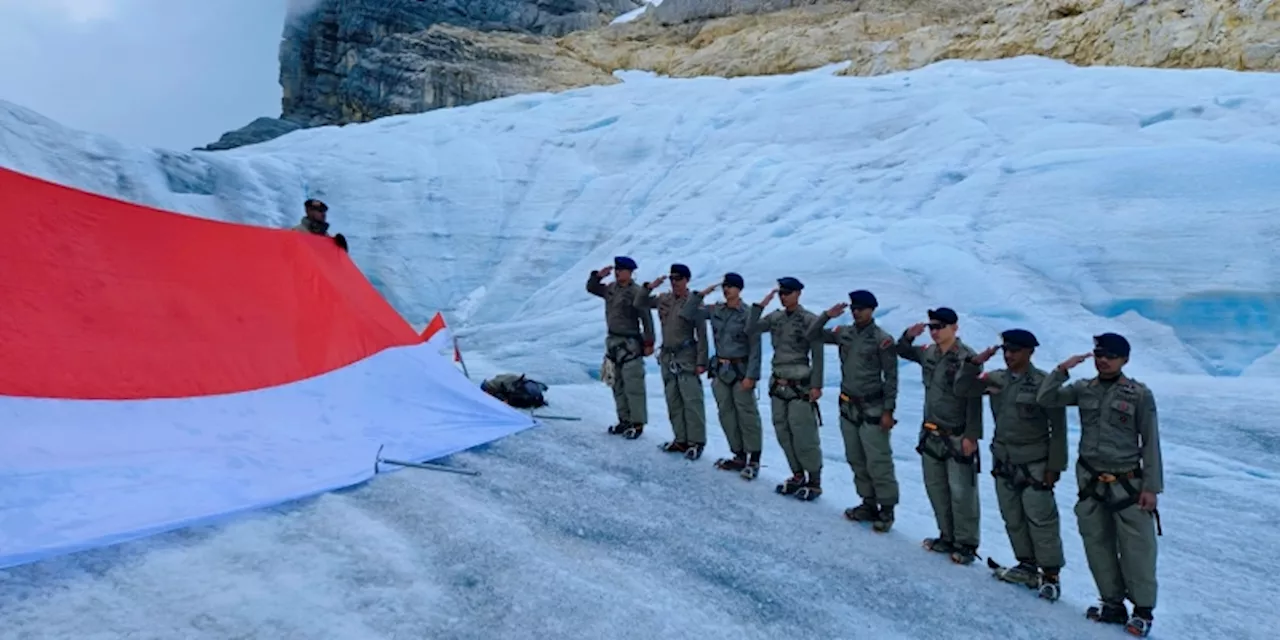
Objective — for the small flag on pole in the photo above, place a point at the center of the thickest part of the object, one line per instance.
(438, 335)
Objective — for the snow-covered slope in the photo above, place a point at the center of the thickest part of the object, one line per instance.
(1021, 192)
(1018, 192)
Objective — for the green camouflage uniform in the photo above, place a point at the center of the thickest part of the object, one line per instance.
(683, 351)
(1029, 439)
(630, 331)
(796, 369)
(868, 389)
(950, 478)
(1118, 457)
(736, 358)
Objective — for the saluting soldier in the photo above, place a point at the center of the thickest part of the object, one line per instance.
(949, 436)
(1028, 455)
(682, 360)
(734, 370)
(630, 339)
(795, 385)
(1120, 472)
(868, 398)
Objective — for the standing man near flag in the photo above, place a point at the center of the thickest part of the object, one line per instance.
(630, 339)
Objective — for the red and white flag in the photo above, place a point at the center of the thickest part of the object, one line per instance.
(439, 337)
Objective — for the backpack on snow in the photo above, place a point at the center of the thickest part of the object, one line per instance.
(516, 390)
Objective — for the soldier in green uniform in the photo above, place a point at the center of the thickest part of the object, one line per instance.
(734, 370)
(949, 436)
(1120, 473)
(630, 339)
(682, 360)
(1028, 455)
(868, 397)
(795, 385)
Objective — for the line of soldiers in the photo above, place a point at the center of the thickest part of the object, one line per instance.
(1118, 468)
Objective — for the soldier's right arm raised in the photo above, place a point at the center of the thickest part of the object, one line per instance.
(594, 286)
(757, 325)
(907, 350)
(693, 309)
(1052, 393)
(818, 330)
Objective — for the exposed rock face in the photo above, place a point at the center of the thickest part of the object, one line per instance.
(330, 54)
(353, 60)
(880, 36)
(449, 66)
(259, 130)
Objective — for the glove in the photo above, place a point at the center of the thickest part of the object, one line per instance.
(340, 241)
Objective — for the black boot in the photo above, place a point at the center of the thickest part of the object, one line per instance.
(865, 512)
(792, 484)
(1108, 612)
(620, 428)
(1050, 588)
(885, 522)
(736, 463)
(1140, 622)
(812, 487)
(752, 468)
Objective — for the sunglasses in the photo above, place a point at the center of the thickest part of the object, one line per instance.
(1106, 355)
(1012, 348)
(936, 326)
(676, 276)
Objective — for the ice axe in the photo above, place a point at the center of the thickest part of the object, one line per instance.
(421, 465)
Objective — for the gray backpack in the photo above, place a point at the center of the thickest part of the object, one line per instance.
(516, 390)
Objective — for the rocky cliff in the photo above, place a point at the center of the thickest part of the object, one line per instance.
(354, 60)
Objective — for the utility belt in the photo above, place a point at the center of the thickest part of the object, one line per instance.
(853, 408)
(729, 370)
(622, 353)
(1093, 489)
(788, 390)
(1018, 476)
(791, 391)
(940, 434)
(667, 356)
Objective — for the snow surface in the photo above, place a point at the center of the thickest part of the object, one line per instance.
(1020, 192)
(635, 13)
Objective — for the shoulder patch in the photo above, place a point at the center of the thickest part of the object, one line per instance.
(836, 330)
(886, 343)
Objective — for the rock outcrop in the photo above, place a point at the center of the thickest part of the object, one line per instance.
(354, 60)
(879, 36)
(259, 130)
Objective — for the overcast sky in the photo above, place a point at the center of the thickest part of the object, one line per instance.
(161, 73)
